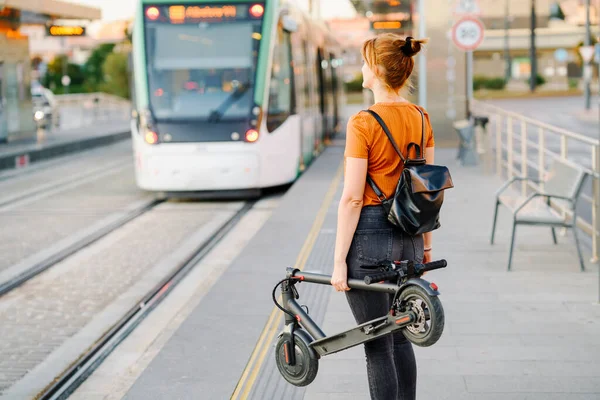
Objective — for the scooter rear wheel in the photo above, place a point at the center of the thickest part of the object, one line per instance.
(428, 327)
(305, 369)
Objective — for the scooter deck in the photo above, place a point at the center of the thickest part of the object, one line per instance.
(362, 333)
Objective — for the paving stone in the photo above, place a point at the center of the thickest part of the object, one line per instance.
(33, 227)
(528, 334)
(554, 384)
(41, 315)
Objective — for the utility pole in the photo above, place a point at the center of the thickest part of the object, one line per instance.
(532, 50)
(507, 67)
(422, 57)
(587, 68)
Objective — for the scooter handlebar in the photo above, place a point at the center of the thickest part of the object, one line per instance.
(434, 265)
(380, 276)
(419, 269)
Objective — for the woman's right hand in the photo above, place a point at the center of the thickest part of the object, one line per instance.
(339, 279)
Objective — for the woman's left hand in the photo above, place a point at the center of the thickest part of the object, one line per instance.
(426, 257)
(339, 279)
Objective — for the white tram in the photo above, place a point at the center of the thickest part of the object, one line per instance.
(230, 95)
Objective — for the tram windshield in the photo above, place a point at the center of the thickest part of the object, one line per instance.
(201, 60)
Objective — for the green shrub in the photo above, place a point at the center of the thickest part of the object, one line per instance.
(573, 83)
(496, 83)
(355, 85)
(116, 75)
(479, 82)
(485, 82)
(539, 80)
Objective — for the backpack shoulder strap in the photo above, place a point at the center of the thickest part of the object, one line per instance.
(387, 133)
(370, 180)
(419, 149)
(422, 130)
(380, 195)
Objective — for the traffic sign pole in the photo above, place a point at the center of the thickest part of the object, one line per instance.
(469, 82)
(467, 34)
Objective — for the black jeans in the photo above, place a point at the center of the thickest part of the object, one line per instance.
(391, 364)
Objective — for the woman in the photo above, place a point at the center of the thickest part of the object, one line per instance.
(364, 235)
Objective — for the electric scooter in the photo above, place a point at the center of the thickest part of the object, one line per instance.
(416, 310)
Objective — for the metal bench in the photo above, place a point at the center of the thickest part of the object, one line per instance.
(564, 182)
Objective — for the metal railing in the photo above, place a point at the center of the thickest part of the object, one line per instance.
(523, 146)
(84, 109)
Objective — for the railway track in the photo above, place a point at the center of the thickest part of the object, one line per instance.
(137, 210)
(41, 191)
(71, 378)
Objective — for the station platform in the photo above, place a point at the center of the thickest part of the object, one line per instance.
(531, 333)
(46, 145)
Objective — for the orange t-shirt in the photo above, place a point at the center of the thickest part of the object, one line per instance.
(366, 139)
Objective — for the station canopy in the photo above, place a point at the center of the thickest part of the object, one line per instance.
(382, 7)
(18, 12)
(386, 15)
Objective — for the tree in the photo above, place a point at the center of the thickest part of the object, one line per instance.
(117, 76)
(128, 35)
(93, 66)
(56, 69)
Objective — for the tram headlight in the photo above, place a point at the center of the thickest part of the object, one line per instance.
(151, 137)
(257, 10)
(153, 13)
(251, 135)
(146, 127)
(39, 115)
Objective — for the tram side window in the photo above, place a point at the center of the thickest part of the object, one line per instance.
(281, 88)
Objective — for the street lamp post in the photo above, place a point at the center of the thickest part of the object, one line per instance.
(532, 50)
(587, 68)
(507, 69)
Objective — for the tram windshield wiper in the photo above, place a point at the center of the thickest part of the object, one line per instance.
(237, 94)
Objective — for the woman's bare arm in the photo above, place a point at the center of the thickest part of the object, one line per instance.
(430, 158)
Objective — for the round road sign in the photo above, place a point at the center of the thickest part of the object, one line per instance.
(467, 33)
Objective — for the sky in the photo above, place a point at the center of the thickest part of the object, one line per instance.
(122, 9)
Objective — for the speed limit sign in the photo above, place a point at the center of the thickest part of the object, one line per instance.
(467, 33)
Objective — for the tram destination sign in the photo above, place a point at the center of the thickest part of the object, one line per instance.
(65, 30)
(181, 14)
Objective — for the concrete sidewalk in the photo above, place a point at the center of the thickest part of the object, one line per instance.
(46, 145)
(564, 112)
(532, 333)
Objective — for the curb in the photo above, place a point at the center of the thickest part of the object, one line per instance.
(19, 159)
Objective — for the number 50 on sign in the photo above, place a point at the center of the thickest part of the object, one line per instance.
(467, 33)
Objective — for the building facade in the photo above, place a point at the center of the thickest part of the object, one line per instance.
(505, 51)
(16, 109)
(507, 37)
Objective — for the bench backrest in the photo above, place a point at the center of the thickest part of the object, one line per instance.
(564, 179)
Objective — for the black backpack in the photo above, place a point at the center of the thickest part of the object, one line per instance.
(416, 204)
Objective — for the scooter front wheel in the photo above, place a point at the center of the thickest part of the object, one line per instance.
(306, 365)
(429, 325)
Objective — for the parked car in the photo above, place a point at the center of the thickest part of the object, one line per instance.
(45, 107)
